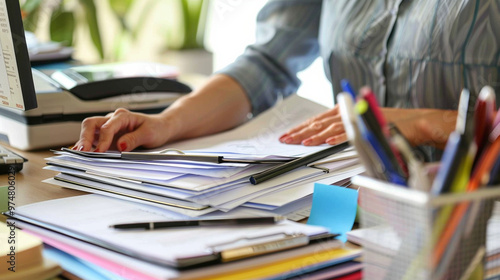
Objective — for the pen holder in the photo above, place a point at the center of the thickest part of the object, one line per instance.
(411, 234)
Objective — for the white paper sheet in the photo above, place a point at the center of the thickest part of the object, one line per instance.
(163, 245)
(260, 135)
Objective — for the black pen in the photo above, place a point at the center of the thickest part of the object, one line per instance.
(294, 164)
(204, 222)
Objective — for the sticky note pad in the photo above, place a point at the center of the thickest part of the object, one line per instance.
(334, 207)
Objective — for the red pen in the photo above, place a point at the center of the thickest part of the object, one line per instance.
(368, 95)
(483, 117)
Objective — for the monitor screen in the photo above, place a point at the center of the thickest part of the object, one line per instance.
(16, 80)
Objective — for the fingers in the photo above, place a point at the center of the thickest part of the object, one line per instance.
(317, 132)
(331, 133)
(120, 120)
(144, 135)
(311, 122)
(102, 131)
(89, 129)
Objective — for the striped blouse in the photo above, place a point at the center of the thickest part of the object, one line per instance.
(412, 53)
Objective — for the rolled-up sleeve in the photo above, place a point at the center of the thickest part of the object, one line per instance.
(286, 43)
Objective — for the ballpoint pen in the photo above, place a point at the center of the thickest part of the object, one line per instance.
(201, 222)
(294, 164)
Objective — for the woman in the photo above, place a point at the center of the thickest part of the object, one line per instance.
(413, 54)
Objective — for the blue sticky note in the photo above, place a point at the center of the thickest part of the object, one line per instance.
(334, 207)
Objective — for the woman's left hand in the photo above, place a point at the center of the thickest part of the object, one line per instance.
(324, 128)
(420, 126)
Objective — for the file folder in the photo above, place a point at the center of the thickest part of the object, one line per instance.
(75, 217)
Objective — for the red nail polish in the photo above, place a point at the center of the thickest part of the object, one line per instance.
(307, 142)
(123, 146)
(97, 151)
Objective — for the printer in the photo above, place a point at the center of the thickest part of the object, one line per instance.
(66, 97)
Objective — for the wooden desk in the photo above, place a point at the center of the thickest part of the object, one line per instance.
(29, 185)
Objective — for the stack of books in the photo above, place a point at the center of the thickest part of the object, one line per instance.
(21, 256)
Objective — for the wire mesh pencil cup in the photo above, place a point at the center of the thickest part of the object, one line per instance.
(413, 235)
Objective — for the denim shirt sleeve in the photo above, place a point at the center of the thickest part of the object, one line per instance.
(286, 43)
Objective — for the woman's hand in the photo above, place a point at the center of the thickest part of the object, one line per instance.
(123, 130)
(420, 126)
(324, 128)
(218, 105)
(423, 126)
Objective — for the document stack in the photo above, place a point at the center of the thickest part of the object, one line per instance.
(216, 176)
(133, 224)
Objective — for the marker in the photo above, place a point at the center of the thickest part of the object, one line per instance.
(250, 221)
(352, 124)
(456, 148)
(346, 87)
(363, 108)
(368, 95)
(391, 175)
(483, 117)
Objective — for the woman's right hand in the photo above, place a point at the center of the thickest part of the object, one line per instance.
(123, 130)
(218, 105)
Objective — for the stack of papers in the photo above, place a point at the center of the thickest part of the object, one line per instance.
(80, 226)
(145, 190)
(194, 188)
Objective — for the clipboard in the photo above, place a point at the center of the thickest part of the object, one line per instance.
(220, 253)
(180, 156)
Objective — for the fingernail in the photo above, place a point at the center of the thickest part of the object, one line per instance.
(288, 140)
(282, 138)
(331, 141)
(97, 151)
(73, 148)
(80, 148)
(307, 142)
(123, 146)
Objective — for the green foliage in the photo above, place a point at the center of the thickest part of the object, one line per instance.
(62, 26)
(63, 20)
(93, 24)
(31, 9)
(66, 16)
(192, 13)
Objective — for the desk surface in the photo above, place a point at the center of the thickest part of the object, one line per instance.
(29, 185)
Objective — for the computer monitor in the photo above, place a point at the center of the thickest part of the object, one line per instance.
(16, 81)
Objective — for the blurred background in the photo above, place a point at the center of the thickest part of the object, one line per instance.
(197, 36)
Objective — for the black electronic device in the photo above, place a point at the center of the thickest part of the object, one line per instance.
(65, 97)
(17, 91)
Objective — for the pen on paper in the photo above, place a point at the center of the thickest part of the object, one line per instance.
(203, 222)
(294, 164)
